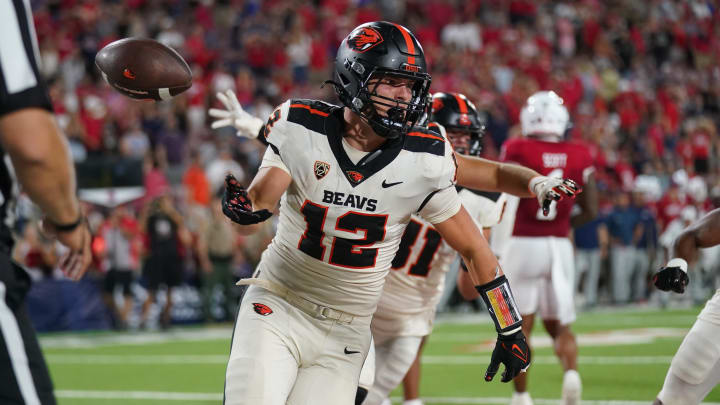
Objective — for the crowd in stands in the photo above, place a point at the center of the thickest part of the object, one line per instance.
(641, 80)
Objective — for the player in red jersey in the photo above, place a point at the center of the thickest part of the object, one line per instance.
(542, 275)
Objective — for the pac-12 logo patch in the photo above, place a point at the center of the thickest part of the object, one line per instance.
(262, 309)
(363, 39)
(321, 169)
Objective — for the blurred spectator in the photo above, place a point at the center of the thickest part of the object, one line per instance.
(591, 241)
(155, 181)
(196, 183)
(220, 167)
(134, 143)
(625, 229)
(165, 232)
(120, 260)
(646, 248)
(220, 247)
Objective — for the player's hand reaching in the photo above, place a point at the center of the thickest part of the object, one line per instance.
(236, 204)
(672, 277)
(512, 351)
(549, 189)
(247, 125)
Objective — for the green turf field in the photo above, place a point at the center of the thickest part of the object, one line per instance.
(623, 360)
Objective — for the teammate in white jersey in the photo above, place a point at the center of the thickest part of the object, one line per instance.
(303, 328)
(695, 369)
(406, 310)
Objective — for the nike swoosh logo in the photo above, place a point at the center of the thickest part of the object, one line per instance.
(522, 356)
(516, 351)
(386, 185)
(350, 351)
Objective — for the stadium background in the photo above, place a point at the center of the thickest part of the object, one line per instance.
(641, 81)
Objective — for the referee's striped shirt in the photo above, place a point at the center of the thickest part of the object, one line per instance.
(24, 378)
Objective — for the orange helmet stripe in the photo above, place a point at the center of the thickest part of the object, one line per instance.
(408, 42)
(461, 103)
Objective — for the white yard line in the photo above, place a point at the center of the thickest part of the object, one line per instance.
(122, 359)
(132, 338)
(152, 395)
(209, 396)
(602, 338)
(538, 401)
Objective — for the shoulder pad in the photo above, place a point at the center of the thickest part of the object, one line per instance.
(437, 128)
(312, 114)
(420, 139)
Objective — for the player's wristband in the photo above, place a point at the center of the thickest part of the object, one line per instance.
(534, 182)
(501, 305)
(678, 262)
(68, 227)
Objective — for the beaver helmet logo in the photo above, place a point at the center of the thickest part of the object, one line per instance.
(321, 169)
(363, 39)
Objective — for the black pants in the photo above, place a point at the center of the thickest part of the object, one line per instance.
(24, 376)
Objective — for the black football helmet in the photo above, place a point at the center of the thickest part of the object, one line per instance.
(456, 113)
(372, 51)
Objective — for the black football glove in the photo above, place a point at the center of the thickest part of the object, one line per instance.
(512, 351)
(236, 204)
(671, 279)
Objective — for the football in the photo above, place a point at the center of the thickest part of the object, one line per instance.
(144, 69)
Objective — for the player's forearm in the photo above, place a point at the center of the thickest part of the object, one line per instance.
(685, 246)
(482, 265)
(514, 179)
(483, 174)
(42, 162)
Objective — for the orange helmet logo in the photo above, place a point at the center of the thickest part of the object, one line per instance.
(364, 39)
(437, 104)
(128, 73)
(465, 120)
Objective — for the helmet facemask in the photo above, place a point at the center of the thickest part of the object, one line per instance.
(471, 145)
(388, 117)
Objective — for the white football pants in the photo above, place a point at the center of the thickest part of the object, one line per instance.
(288, 357)
(695, 369)
(393, 358)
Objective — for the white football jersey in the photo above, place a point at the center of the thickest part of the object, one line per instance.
(416, 281)
(340, 223)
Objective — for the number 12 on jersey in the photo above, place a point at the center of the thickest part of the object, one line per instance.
(344, 252)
